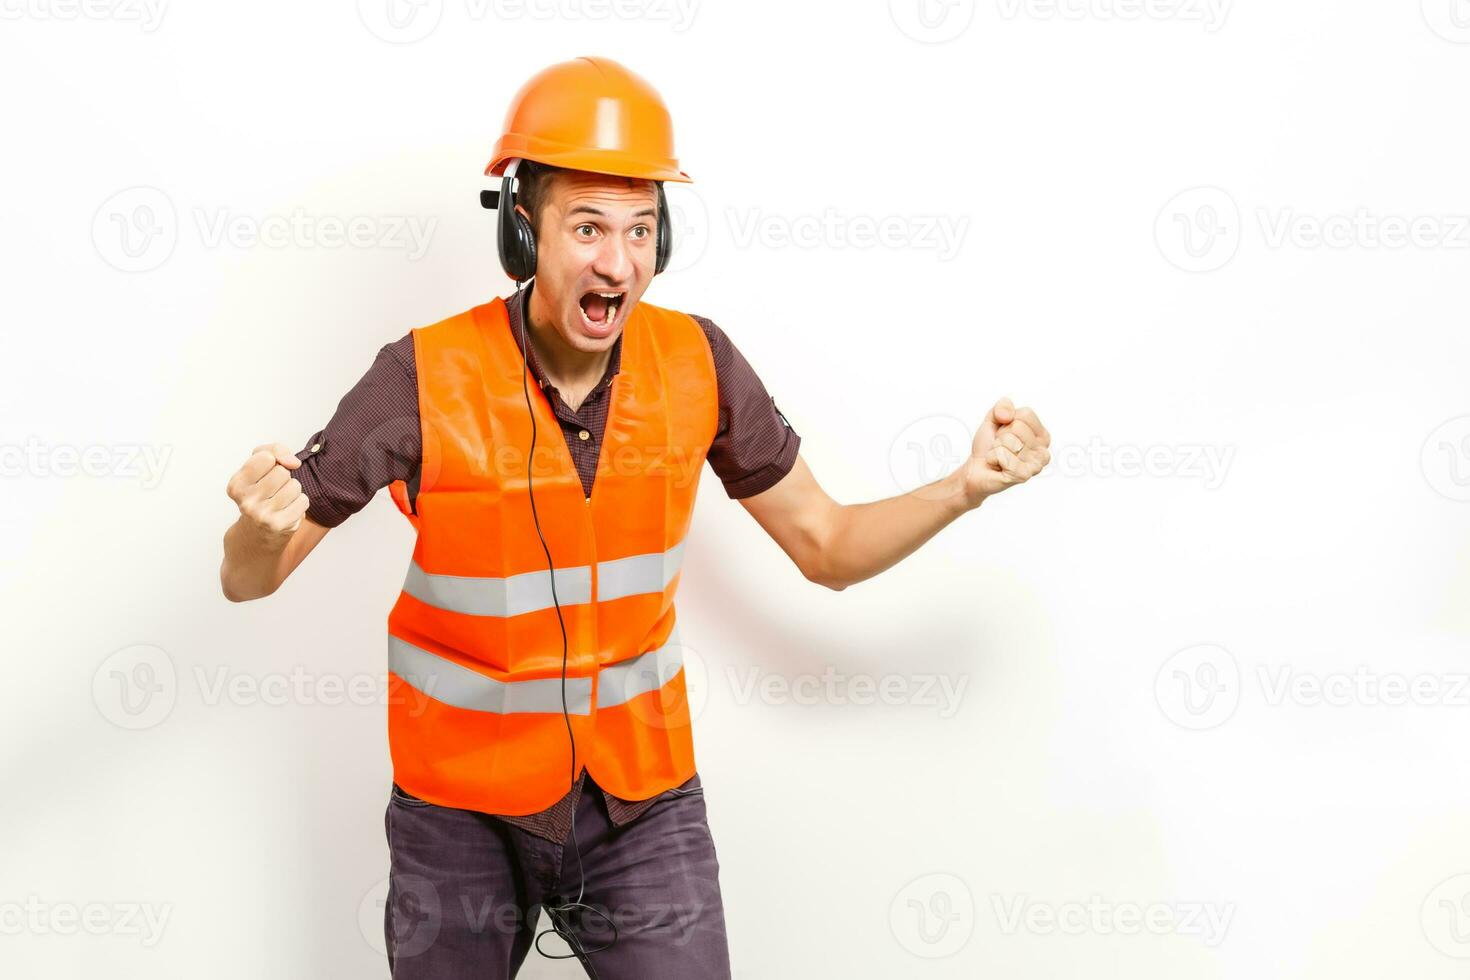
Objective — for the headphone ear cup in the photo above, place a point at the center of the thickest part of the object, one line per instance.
(663, 246)
(526, 245)
(515, 237)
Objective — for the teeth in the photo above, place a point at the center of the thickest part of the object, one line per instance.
(614, 300)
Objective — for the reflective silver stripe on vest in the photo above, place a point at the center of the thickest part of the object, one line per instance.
(511, 596)
(445, 680)
(646, 672)
(531, 591)
(638, 574)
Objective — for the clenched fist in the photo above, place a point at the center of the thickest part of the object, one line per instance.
(270, 498)
(1010, 448)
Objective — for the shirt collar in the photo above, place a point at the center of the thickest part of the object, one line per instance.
(517, 317)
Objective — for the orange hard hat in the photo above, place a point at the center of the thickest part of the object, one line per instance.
(590, 114)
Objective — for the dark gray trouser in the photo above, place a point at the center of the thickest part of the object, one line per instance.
(465, 891)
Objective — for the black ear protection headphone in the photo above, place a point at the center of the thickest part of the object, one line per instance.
(516, 238)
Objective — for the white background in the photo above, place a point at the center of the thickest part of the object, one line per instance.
(1137, 736)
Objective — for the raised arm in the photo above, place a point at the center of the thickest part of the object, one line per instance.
(837, 545)
(273, 533)
(288, 501)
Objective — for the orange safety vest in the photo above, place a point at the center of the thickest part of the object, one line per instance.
(474, 645)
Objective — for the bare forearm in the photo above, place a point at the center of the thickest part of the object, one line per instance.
(254, 563)
(837, 545)
(865, 539)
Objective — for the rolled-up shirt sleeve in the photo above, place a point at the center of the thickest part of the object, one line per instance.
(754, 445)
(371, 440)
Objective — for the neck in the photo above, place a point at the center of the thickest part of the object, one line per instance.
(569, 369)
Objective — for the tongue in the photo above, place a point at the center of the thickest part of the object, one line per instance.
(596, 307)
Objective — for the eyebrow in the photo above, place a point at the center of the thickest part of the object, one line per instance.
(589, 209)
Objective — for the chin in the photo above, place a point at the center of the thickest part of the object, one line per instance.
(575, 334)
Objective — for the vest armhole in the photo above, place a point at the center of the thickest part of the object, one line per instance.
(426, 446)
(714, 374)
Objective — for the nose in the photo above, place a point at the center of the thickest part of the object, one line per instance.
(614, 260)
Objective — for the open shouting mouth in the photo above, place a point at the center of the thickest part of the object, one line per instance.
(600, 311)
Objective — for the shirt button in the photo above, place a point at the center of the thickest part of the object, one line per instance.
(584, 434)
(315, 446)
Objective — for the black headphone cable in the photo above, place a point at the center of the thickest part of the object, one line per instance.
(555, 912)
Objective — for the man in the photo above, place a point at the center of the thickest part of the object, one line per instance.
(534, 646)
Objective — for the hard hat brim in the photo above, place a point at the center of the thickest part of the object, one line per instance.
(611, 162)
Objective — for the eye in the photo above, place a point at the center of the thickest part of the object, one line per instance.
(585, 231)
(640, 231)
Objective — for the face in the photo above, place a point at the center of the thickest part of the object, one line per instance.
(594, 255)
